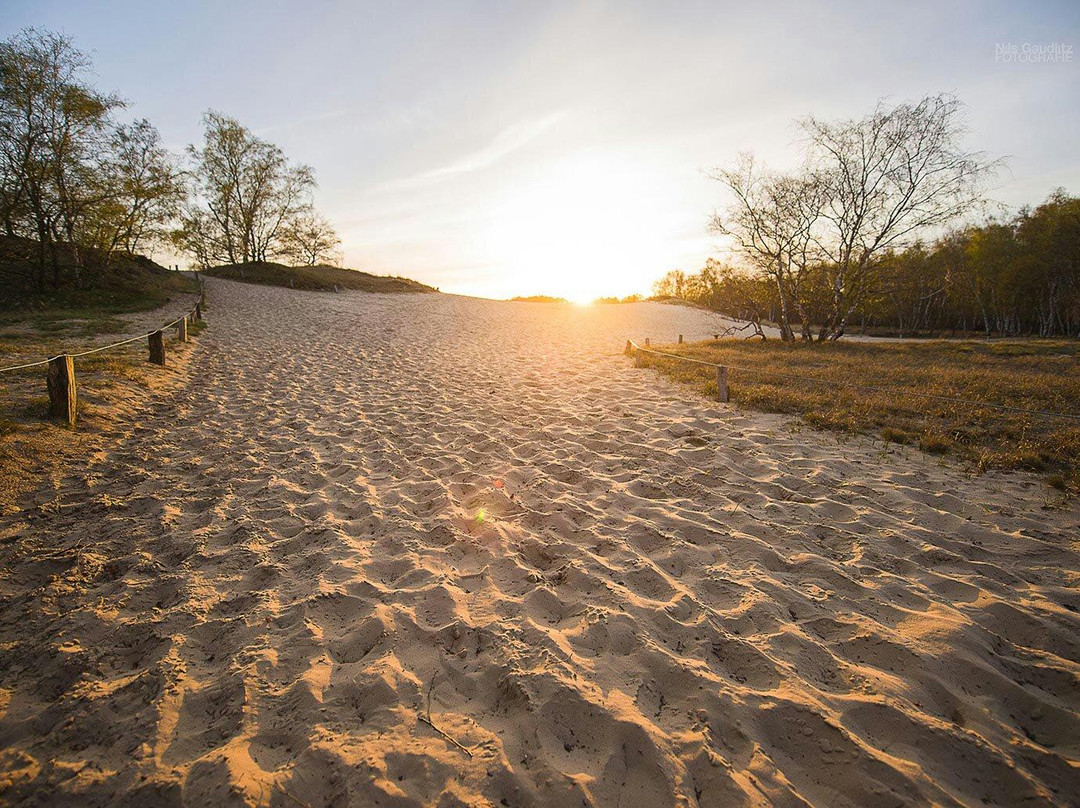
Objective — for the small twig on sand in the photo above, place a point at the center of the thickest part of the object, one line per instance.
(456, 743)
(427, 720)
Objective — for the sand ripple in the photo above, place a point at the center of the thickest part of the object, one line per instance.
(365, 510)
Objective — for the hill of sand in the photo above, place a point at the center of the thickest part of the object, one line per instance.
(412, 550)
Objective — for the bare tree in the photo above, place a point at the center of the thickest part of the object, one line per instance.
(865, 187)
(885, 179)
(772, 224)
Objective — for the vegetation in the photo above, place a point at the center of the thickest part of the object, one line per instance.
(627, 299)
(72, 178)
(539, 299)
(315, 278)
(110, 283)
(817, 234)
(81, 193)
(34, 451)
(1029, 374)
(310, 240)
(1018, 277)
(248, 203)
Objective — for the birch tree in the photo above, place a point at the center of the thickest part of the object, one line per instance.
(771, 222)
(885, 180)
(246, 191)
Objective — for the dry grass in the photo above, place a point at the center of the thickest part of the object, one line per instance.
(35, 450)
(1029, 374)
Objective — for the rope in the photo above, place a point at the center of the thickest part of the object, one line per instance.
(873, 388)
(27, 365)
(113, 345)
(103, 347)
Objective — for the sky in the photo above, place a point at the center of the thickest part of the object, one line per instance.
(517, 148)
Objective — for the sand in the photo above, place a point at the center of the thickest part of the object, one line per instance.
(428, 550)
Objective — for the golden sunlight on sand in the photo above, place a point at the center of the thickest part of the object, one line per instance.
(425, 550)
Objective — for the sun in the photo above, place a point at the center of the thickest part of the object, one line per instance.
(583, 228)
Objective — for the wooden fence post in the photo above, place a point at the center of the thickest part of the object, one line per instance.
(647, 342)
(181, 329)
(63, 402)
(629, 348)
(157, 348)
(198, 310)
(680, 339)
(721, 384)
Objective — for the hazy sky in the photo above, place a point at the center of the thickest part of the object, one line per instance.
(506, 148)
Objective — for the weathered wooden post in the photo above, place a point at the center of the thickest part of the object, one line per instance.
(63, 402)
(629, 348)
(680, 339)
(181, 329)
(157, 348)
(647, 342)
(721, 384)
(198, 311)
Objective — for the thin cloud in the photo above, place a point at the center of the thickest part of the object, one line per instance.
(509, 140)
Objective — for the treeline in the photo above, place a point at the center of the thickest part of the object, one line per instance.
(844, 238)
(818, 233)
(1019, 277)
(77, 180)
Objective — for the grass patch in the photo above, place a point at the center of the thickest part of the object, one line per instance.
(35, 448)
(1028, 374)
(94, 308)
(315, 279)
(84, 305)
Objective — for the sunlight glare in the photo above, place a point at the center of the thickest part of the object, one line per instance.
(589, 226)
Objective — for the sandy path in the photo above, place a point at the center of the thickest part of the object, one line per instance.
(363, 508)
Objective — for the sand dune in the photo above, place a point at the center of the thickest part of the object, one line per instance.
(427, 550)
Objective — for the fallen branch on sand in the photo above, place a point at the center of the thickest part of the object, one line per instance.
(427, 720)
(455, 742)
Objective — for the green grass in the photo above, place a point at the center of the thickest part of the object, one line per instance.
(315, 279)
(141, 294)
(1028, 374)
(107, 287)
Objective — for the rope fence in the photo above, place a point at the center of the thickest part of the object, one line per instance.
(723, 391)
(63, 400)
